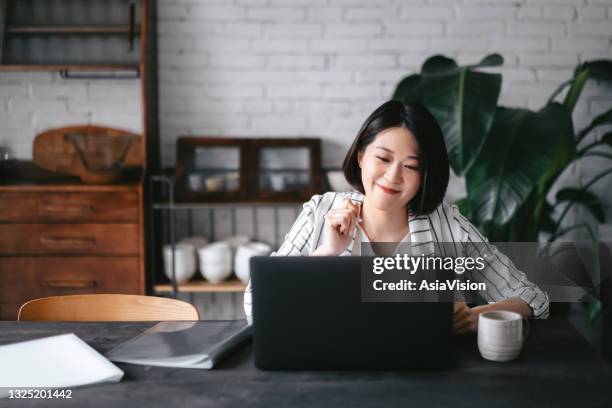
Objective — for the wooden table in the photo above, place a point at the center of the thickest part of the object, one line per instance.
(557, 368)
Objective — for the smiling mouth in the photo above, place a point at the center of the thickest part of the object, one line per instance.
(388, 190)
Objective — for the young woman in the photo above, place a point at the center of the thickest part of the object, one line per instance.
(399, 166)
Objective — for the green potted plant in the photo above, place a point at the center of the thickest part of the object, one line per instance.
(512, 157)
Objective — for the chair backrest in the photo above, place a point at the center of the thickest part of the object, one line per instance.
(103, 307)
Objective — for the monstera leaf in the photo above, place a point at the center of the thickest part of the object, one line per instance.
(463, 101)
(521, 149)
(409, 89)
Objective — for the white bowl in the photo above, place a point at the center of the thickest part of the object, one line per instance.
(215, 273)
(184, 262)
(216, 261)
(243, 255)
(337, 182)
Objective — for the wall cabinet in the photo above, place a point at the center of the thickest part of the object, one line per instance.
(70, 35)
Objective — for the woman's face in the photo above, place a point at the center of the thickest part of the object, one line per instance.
(390, 169)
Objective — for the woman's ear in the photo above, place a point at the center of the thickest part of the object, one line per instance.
(359, 157)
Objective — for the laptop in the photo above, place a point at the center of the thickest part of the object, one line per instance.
(308, 315)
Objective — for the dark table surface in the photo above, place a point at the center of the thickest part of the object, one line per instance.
(556, 367)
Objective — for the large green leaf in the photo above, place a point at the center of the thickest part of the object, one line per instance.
(463, 102)
(461, 99)
(520, 150)
(409, 89)
(439, 65)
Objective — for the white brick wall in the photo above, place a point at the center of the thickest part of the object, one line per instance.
(318, 68)
(314, 68)
(323, 65)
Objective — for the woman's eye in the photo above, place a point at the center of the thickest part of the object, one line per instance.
(383, 159)
(411, 167)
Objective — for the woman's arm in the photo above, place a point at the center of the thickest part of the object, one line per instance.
(507, 288)
(465, 319)
(298, 242)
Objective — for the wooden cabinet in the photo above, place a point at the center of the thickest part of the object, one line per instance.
(69, 239)
(59, 235)
(71, 36)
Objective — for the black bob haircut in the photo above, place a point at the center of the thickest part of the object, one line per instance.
(433, 158)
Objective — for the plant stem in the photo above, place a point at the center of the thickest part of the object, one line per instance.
(576, 89)
(587, 185)
(561, 87)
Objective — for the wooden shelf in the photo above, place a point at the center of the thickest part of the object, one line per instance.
(230, 286)
(109, 29)
(70, 67)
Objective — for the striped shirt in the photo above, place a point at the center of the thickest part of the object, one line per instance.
(445, 225)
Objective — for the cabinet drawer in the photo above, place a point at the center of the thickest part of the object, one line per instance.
(61, 207)
(69, 239)
(23, 279)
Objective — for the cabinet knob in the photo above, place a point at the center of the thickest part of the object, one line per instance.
(64, 240)
(69, 283)
(65, 209)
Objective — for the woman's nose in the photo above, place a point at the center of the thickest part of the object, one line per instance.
(394, 174)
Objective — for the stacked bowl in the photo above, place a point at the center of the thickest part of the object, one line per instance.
(184, 262)
(216, 261)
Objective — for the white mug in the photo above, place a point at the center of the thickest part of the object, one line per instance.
(501, 334)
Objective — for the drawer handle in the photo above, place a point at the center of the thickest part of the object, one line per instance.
(76, 284)
(57, 240)
(56, 209)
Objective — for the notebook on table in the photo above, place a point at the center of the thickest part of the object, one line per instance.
(62, 361)
(201, 344)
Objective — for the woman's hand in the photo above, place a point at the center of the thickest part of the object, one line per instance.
(340, 224)
(465, 319)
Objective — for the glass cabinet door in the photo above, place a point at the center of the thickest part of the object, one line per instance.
(283, 168)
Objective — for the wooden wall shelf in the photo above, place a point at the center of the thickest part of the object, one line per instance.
(230, 286)
(68, 67)
(110, 29)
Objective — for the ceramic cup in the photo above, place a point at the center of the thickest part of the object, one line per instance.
(216, 261)
(277, 181)
(501, 335)
(184, 262)
(214, 183)
(196, 243)
(244, 253)
(195, 182)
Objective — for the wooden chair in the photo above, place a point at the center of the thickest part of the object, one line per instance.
(112, 307)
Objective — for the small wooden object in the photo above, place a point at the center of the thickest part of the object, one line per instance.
(107, 307)
(52, 151)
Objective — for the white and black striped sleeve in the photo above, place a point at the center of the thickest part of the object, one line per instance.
(298, 242)
(503, 280)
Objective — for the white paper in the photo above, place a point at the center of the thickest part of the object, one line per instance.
(62, 361)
